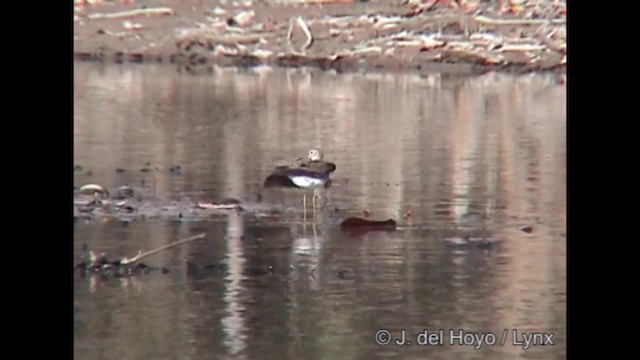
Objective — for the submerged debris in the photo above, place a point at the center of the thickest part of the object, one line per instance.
(469, 242)
(90, 263)
(225, 204)
(94, 189)
(175, 170)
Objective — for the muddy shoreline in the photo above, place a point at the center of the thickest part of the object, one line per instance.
(427, 36)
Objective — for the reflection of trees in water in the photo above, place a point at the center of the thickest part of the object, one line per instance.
(439, 146)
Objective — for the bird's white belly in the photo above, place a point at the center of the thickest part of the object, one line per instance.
(306, 182)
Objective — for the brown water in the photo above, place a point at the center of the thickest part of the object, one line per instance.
(435, 146)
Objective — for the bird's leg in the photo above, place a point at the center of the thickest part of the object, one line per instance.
(313, 202)
(317, 195)
(304, 207)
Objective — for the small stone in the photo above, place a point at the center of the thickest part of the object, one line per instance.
(242, 18)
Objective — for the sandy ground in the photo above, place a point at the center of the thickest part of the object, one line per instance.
(428, 35)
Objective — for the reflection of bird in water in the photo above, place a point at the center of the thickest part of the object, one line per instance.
(310, 174)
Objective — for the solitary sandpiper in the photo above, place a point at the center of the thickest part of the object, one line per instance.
(310, 174)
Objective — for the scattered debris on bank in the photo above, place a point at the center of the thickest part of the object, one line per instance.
(343, 35)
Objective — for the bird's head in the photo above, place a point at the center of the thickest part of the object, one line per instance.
(314, 155)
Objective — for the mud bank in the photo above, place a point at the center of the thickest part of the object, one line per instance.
(395, 35)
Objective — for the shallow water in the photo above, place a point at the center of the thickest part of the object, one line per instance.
(422, 150)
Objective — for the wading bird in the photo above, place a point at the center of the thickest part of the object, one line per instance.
(306, 174)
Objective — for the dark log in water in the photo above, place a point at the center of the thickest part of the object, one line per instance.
(359, 225)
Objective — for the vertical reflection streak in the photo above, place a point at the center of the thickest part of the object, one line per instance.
(234, 323)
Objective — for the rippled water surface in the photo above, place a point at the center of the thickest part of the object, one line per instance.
(424, 151)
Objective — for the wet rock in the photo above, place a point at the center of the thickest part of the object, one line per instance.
(259, 271)
(526, 229)
(175, 170)
(125, 192)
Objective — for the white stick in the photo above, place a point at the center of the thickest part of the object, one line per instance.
(141, 255)
(307, 32)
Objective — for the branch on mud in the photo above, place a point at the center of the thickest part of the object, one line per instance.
(132, 13)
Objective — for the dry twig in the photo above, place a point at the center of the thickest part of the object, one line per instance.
(142, 255)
